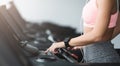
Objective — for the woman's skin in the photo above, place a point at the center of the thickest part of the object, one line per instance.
(100, 31)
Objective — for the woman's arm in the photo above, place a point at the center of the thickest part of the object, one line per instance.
(117, 28)
(103, 18)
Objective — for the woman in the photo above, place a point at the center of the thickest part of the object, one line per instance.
(100, 17)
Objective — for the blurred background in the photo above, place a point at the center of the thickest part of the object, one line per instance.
(61, 12)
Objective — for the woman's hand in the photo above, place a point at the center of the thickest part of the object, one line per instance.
(53, 48)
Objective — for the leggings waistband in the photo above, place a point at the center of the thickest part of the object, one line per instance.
(99, 50)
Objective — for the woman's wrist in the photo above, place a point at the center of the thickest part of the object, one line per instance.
(66, 42)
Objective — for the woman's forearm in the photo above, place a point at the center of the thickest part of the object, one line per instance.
(84, 39)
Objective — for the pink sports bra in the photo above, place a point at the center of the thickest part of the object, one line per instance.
(90, 12)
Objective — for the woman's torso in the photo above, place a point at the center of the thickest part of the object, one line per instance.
(109, 32)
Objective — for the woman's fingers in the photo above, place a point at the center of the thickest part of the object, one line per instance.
(46, 51)
(52, 49)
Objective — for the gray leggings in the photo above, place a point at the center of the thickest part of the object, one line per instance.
(101, 52)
